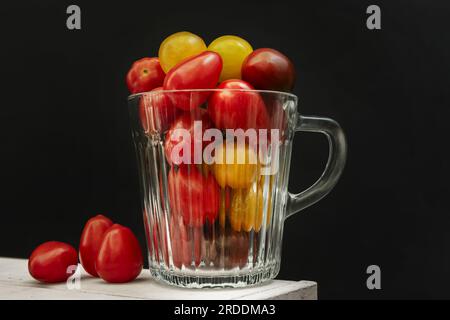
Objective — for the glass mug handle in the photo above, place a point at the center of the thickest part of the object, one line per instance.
(335, 164)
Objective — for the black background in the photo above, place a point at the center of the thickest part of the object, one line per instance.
(67, 153)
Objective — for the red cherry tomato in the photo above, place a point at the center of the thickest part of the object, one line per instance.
(185, 249)
(160, 241)
(91, 239)
(269, 69)
(186, 121)
(179, 241)
(193, 196)
(50, 261)
(157, 238)
(197, 244)
(199, 72)
(237, 109)
(156, 111)
(145, 75)
(120, 257)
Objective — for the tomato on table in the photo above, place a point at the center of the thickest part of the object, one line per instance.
(50, 262)
(269, 69)
(198, 72)
(91, 239)
(119, 258)
(231, 109)
(145, 75)
(178, 47)
(233, 51)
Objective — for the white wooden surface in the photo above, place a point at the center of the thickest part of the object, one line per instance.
(16, 283)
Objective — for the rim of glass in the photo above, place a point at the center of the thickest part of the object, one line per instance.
(282, 93)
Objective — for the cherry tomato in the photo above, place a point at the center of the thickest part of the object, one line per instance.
(232, 249)
(193, 196)
(179, 241)
(276, 108)
(245, 204)
(145, 75)
(233, 51)
(91, 239)
(120, 257)
(50, 261)
(156, 111)
(269, 69)
(233, 109)
(199, 72)
(179, 46)
(187, 247)
(186, 121)
(238, 174)
(238, 245)
(247, 207)
(157, 238)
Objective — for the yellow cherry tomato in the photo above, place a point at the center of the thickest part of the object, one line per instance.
(241, 169)
(247, 207)
(233, 51)
(244, 204)
(179, 46)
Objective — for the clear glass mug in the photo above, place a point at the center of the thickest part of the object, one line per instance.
(219, 223)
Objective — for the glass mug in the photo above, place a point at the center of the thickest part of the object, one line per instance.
(219, 222)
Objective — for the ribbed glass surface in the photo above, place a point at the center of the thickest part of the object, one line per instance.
(202, 232)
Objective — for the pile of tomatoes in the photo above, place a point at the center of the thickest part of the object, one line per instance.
(200, 194)
(107, 250)
(185, 62)
(229, 62)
